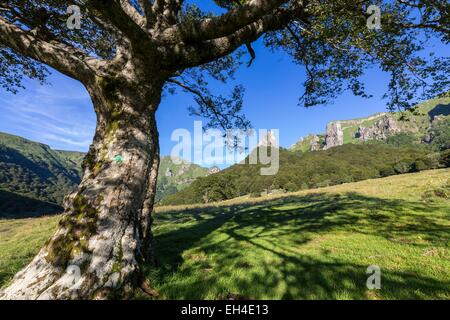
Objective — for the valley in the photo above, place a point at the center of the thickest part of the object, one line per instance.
(34, 179)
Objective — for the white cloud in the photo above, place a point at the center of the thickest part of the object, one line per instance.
(61, 115)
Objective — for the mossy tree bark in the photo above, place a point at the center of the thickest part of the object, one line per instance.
(105, 232)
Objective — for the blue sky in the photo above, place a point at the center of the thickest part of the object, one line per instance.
(61, 114)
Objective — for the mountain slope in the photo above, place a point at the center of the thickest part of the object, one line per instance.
(416, 123)
(37, 175)
(351, 150)
(34, 179)
(299, 171)
(175, 177)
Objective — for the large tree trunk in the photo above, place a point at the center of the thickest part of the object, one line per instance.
(105, 232)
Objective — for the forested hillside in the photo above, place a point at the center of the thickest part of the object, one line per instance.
(298, 171)
(34, 178)
(380, 145)
(175, 177)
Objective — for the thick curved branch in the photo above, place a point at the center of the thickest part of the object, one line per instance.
(166, 12)
(216, 48)
(121, 15)
(149, 16)
(60, 56)
(132, 12)
(223, 25)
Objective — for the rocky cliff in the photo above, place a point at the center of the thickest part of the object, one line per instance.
(311, 142)
(173, 177)
(334, 135)
(213, 170)
(381, 129)
(268, 140)
(379, 126)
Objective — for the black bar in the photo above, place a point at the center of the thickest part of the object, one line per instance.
(257, 310)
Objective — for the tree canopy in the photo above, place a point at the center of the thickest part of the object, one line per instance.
(331, 39)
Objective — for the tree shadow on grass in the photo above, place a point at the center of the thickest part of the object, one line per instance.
(252, 250)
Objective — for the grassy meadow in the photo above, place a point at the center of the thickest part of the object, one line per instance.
(313, 244)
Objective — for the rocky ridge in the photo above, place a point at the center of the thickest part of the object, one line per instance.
(378, 126)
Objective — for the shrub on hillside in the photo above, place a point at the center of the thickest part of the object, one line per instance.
(403, 167)
(444, 159)
(387, 171)
(440, 133)
(401, 139)
(419, 165)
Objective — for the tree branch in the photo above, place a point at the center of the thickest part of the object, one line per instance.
(120, 15)
(223, 25)
(191, 90)
(149, 15)
(131, 11)
(166, 12)
(216, 48)
(62, 57)
(212, 107)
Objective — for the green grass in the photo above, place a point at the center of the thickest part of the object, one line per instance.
(314, 244)
(20, 241)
